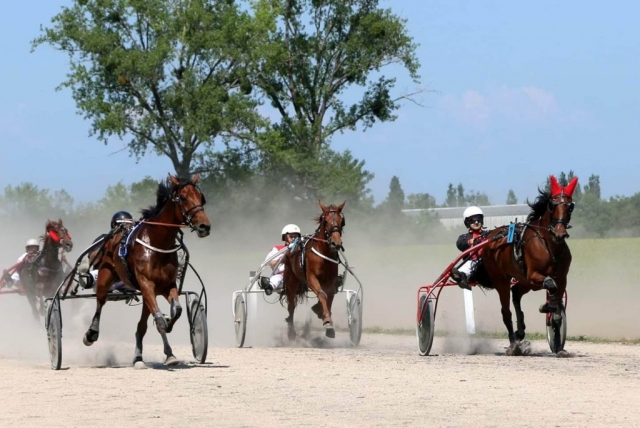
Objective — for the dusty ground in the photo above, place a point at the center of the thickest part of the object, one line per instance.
(382, 383)
(316, 382)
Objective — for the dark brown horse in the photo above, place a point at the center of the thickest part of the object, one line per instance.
(319, 271)
(151, 262)
(544, 261)
(41, 276)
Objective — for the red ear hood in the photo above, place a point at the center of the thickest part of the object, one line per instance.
(557, 190)
(54, 236)
(555, 187)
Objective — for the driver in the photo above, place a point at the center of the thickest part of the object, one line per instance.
(290, 236)
(85, 274)
(474, 220)
(31, 247)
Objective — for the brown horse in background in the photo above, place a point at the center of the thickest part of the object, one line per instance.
(151, 262)
(41, 277)
(319, 272)
(545, 260)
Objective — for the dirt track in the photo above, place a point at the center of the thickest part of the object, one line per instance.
(382, 383)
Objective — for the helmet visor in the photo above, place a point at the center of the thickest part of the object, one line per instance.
(476, 219)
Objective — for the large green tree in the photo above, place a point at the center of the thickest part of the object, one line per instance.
(169, 76)
(322, 73)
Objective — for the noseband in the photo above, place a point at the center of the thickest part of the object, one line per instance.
(191, 212)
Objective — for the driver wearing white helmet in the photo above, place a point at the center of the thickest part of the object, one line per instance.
(290, 235)
(32, 247)
(474, 221)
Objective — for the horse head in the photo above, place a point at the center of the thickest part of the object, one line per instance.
(59, 234)
(190, 201)
(331, 224)
(560, 207)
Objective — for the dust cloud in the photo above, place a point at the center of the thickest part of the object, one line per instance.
(390, 267)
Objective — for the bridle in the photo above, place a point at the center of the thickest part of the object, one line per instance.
(188, 215)
(552, 207)
(335, 228)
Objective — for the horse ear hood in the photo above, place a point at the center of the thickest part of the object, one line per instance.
(569, 188)
(556, 189)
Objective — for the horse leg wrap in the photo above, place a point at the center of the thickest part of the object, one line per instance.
(550, 285)
(161, 322)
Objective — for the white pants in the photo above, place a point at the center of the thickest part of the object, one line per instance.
(94, 274)
(469, 267)
(276, 281)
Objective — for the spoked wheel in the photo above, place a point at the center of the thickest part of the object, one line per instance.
(199, 333)
(551, 326)
(424, 329)
(54, 334)
(354, 312)
(240, 319)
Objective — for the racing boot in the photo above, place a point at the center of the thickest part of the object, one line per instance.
(460, 278)
(265, 284)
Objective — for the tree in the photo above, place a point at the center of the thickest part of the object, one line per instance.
(511, 198)
(477, 198)
(169, 76)
(461, 199)
(593, 187)
(316, 51)
(452, 199)
(420, 201)
(27, 200)
(395, 198)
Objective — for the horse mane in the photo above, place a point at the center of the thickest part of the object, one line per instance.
(162, 195)
(539, 205)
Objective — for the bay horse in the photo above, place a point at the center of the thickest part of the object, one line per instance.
(319, 271)
(150, 263)
(544, 260)
(41, 276)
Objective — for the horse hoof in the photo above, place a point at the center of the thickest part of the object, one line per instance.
(330, 332)
(90, 338)
(317, 309)
(519, 335)
(562, 354)
(514, 350)
(171, 361)
(139, 365)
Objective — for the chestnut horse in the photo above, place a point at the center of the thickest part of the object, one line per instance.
(320, 270)
(545, 260)
(151, 262)
(41, 277)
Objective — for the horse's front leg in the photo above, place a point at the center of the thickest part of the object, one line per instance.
(147, 288)
(176, 310)
(106, 278)
(138, 361)
(292, 291)
(323, 298)
(517, 292)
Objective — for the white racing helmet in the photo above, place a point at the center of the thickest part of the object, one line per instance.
(32, 243)
(472, 212)
(290, 228)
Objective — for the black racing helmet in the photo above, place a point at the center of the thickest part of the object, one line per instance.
(120, 215)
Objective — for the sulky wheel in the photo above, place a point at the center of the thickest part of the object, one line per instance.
(424, 329)
(199, 333)
(240, 321)
(54, 334)
(354, 311)
(551, 326)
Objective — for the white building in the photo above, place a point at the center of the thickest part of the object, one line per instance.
(494, 215)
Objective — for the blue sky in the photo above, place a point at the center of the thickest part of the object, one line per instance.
(519, 90)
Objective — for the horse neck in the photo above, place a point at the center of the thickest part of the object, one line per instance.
(49, 252)
(167, 215)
